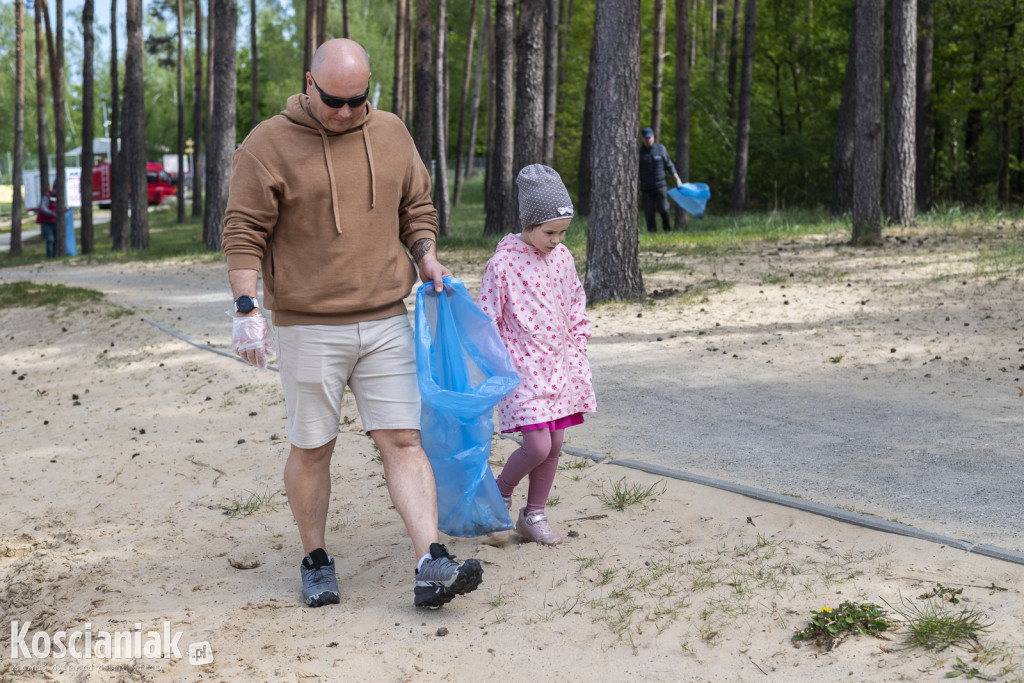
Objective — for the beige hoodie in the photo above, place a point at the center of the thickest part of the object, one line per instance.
(328, 216)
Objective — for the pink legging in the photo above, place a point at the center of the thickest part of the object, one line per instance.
(537, 457)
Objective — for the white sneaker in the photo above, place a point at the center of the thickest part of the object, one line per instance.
(534, 527)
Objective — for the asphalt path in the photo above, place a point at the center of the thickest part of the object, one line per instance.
(870, 450)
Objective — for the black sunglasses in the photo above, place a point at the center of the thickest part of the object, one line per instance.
(339, 102)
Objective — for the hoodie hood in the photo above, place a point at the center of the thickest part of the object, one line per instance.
(299, 112)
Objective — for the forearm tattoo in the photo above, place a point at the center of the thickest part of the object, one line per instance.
(421, 248)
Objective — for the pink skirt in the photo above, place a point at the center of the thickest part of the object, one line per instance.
(560, 423)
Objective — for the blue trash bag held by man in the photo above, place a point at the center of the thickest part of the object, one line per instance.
(464, 370)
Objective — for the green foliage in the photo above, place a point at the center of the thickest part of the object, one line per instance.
(948, 594)
(827, 624)
(799, 65)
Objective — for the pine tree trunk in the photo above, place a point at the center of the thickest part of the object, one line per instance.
(974, 128)
(867, 151)
(57, 70)
(423, 112)
(321, 24)
(135, 125)
(474, 116)
(308, 38)
(529, 107)
(842, 144)
(180, 194)
(441, 202)
(613, 265)
(722, 39)
(254, 68)
(463, 104)
(211, 55)
(734, 48)
(221, 140)
(501, 211)
(42, 124)
(398, 78)
(1005, 116)
(409, 66)
(585, 178)
(739, 176)
(658, 61)
(197, 115)
(492, 80)
(550, 81)
(899, 157)
(19, 126)
(119, 180)
(923, 116)
(88, 125)
(682, 105)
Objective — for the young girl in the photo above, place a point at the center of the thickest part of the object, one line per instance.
(532, 292)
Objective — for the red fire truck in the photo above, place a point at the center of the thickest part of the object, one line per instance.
(158, 183)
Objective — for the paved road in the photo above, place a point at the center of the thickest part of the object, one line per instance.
(882, 447)
(5, 237)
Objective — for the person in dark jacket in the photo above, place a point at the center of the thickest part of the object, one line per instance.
(655, 168)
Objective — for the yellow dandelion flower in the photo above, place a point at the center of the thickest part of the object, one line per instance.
(825, 609)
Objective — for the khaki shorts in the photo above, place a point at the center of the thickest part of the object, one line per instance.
(376, 359)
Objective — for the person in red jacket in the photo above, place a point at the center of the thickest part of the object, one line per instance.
(46, 217)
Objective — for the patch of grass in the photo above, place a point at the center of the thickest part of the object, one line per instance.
(586, 562)
(31, 294)
(1001, 262)
(574, 464)
(248, 503)
(933, 626)
(623, 495)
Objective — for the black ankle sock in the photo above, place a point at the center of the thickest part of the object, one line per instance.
(317, 558)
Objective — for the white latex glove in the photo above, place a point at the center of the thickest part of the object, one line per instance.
(250, 338)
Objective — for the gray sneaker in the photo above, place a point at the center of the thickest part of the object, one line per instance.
(319, 583)
(441, 578)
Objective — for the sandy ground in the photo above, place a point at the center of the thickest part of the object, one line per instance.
(125, 445)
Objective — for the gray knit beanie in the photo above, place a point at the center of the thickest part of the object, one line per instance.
(542, 196)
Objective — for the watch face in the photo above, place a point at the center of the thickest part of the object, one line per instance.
(244, 304)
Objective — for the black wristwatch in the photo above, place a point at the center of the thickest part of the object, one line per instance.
(245, 304)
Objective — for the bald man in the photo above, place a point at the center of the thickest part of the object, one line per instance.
(329, 199)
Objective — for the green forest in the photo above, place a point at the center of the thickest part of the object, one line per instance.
(800, 59)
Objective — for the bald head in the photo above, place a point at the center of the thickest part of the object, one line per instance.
(340, 71)
(341, 54)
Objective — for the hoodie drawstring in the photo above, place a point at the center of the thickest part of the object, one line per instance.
(330, 174)
(330, 180)
(373, 175)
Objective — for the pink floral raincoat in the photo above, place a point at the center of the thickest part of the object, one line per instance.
(539, 306)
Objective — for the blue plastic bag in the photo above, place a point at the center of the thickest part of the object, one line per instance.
(693, 197)
(463, 370)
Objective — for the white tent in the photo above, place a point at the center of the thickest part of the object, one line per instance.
(100, 148)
